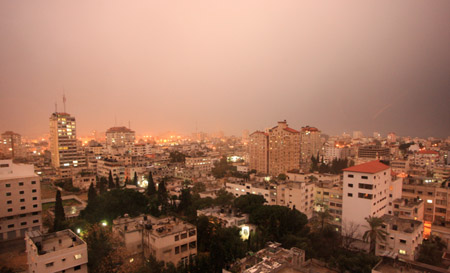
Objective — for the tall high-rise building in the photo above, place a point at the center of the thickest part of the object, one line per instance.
(276, 151)
(310, 143)
(258, 150)
(63, 141)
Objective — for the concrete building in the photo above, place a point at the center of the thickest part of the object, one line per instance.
(329, 195)
(63, 141)
(289, 194)
(276, 151)
(11, 145)
(374, 152)
(20, 209)
(366, 191)
(407, 209)
(400, 165)
(310, 143)
(284, 149)
(426, 158)
(258, 149)
(200, 164)
(318, 177)
(106, 165)
(62, 251)
(403, 239)
(83, 178)
(170, 239)
(442, 173)
(120, 137)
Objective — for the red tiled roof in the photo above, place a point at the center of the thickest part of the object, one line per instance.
(311, 129)
(289, 129)
(428, 152)
(369, 167)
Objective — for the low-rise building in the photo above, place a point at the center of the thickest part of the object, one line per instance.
(403, 239)
(170, 239)
(407, 208)
(106, 165)
(62, 251)
(84, 178)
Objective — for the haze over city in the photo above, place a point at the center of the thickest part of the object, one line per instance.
(371, 66)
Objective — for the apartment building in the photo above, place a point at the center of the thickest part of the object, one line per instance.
(62, 251)
(310, 143)
(11, 145)
(400, 165)
(367, 188)
(107, 165)
(276, 151)
(403, 239)
(226, 216)
(83, 179)
(170, 239)
(436, 197)
(120, 137)
(374, 152)
(200, 164)
(20, 209)
(441, 173)
(426, 158)
(407, 208)
(307, 177)
(329, 194)
(289, 194)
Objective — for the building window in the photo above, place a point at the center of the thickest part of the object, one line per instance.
(365, 195)
(78, 267)
(8, 185)
(23, 223)
(10, 210)
(177, 237)
(402, 251)
(34, 190)
(35, 198)
(35, 221)
(177, 249)
(22, 200)
(191, 232)
(183, 235)
(184, 248)
(33, 182)
(21, 192)
(9, 202)
(11, 226)
(394, 227)
(350, 175)
(365, 186)
(20, 183)
(35, 206)
(22, 208)
(364, 177)
(402, 241)
(8, 194)
(350, 185)
(193, 245)
(77, 256)
(35, 213)
(49, 264)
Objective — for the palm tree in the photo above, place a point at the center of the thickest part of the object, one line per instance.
(375, 232)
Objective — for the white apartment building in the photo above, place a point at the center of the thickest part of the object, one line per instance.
(400, 165)
(366, 193)
(170, 239)
(62, 251)
(20, 198)
(320, 177)
(405, 236)
(289, 194)
(426, 158)
(200, 164)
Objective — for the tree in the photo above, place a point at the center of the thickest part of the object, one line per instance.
(177, 157)
(249, 202)
(102, 185)
(60, 217)
(430, 251)
(163, 196)
(223, 198)
(111, 184)
(199, 187)
(151, 188)
(282, 176)
(375, 232)
(117, 182)
(348, 234)
(323, 216)
(92, 194)
(135, 179)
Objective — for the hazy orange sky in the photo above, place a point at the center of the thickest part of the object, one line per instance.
(227, 65)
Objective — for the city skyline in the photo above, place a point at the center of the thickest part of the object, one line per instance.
(229, 66)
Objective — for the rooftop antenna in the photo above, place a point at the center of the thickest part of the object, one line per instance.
(56, 107)
(64, 100)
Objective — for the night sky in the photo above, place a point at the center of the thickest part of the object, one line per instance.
(227, 65)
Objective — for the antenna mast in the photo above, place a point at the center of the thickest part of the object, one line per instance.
(64, 101)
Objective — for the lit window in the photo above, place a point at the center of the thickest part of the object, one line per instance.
(402, 251)
(430, 201)
(77, 256)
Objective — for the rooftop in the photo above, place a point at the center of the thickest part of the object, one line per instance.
(10, 170)
(369, 167)
(121, 129)
(46, 243)
(403, 225)
(430, 152)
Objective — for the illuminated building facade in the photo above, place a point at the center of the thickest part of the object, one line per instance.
(120, 137)
(63, 141)
(258, 149)
(11, 145)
